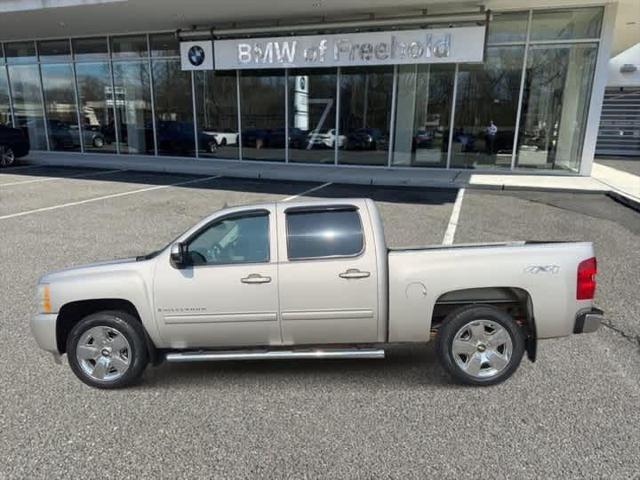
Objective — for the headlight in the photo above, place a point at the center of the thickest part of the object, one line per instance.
(44, 298)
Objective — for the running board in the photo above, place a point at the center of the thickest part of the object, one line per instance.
(216, 356)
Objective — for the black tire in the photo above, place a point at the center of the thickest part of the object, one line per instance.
(98, 142)
(126, 325)
(7, 156)
(456, 321)
(223, 142)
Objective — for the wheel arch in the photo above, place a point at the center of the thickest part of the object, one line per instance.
(71, 313)
(515, 301)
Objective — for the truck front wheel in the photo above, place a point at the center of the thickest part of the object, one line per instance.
(480, 345)
(107, 349)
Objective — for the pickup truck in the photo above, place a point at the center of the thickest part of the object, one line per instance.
(314, 279)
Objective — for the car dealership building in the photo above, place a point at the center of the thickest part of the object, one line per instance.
(504, 85)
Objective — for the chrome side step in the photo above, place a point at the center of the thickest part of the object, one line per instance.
(216, 356)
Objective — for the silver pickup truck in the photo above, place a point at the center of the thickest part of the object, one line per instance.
(313, 279)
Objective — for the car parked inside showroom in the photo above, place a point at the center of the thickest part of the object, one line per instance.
(13, 145)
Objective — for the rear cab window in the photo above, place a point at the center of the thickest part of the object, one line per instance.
(324, 232)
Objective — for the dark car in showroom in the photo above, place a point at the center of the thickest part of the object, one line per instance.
(366, 139)
(13, 145)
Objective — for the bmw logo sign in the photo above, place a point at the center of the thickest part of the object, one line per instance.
(196, 55)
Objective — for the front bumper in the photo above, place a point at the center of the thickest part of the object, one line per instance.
(43, 328)
(588, 321)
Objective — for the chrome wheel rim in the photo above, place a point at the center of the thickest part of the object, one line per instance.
(103, 353)
(7, 157)
(482, 348)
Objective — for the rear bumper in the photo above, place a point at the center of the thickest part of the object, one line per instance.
(588, 321)
(43, 328)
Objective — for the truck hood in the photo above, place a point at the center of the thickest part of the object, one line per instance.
(89, 269)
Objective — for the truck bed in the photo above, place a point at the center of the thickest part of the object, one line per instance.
(543, 272)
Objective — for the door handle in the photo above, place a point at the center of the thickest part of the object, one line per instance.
(255, 278)
(354, 273)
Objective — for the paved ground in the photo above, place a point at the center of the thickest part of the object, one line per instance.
(572, 414)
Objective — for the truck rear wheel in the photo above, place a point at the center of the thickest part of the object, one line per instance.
(480, 345)
(107, 349)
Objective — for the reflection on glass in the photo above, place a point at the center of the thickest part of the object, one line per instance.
(164, 45)
(5, 108)
(90, 48)
(174, 109)
(27, 103)
(133, 107)
(555, 105)
(131, 46)
(486, 107)
(508, 27)
(423, 115)
(566, 24)
(60, 104)
(20, 52)
(54, 51)
(96, 107)
(217, 112)
(263, 121)
(312, 115)
(365, 115)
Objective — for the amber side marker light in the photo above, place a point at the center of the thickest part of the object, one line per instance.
(46, 299)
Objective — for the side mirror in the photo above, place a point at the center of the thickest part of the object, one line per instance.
(178, 255)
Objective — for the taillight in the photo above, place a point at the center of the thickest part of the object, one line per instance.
(587, 270)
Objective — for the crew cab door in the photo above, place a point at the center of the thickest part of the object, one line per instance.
(328, 277)
(227, 294)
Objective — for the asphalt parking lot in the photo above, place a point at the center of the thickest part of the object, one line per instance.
(572, 414)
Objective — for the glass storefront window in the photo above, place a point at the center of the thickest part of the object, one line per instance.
(365, 115)
(486, 108)
(262, 94)
(5, 108)
(96, 107)
(90, 48)
(133, 107)
(60, 104)
(164, 45)
(20, 52)
(54, 51)
(423, 115)
(174, 109)
(555, 105)
(312, 115)
(131, 46)
(27, 103)
(508, 27)
(566, 24)
(217, 114)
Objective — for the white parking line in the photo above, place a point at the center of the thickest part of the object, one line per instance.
(106, 197)
(80, 175)
(450, 233)
(293, 197)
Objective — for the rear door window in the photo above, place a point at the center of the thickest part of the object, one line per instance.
(324, 233)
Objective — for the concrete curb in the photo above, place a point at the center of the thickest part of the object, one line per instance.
(261, 172)
(625, 200)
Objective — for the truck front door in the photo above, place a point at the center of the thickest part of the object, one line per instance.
(227, 295)
(328, 277)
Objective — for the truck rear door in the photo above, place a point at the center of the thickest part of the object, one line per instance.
(328, 276)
